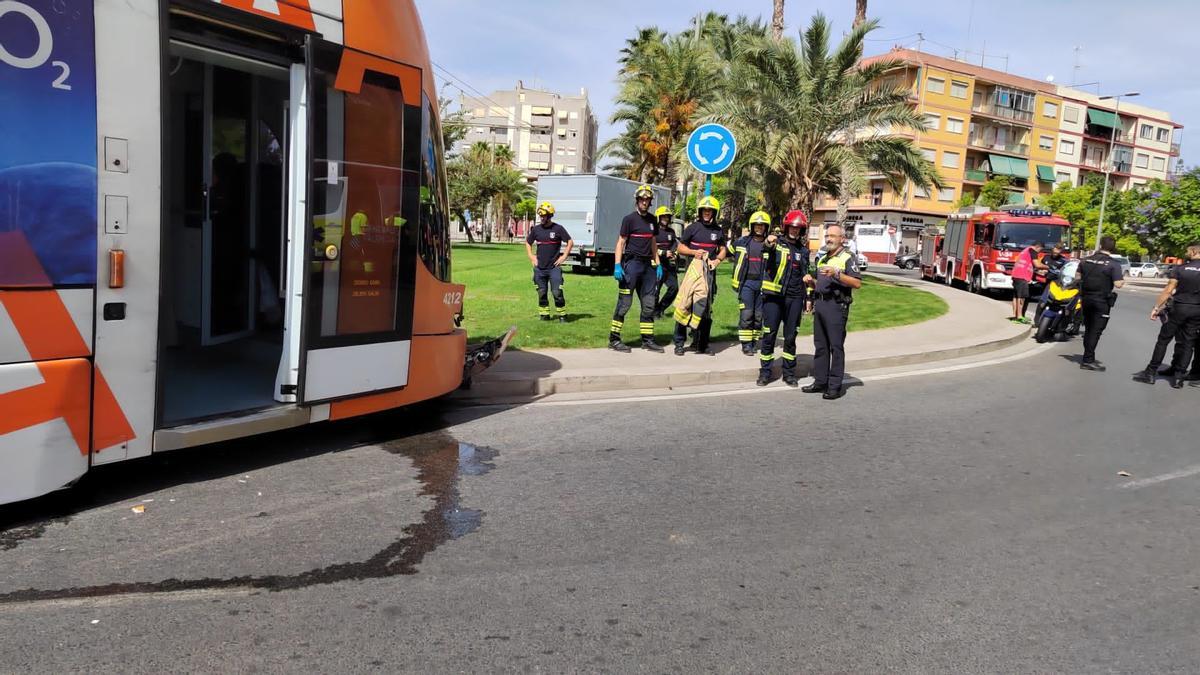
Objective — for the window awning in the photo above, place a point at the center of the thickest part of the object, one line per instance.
(1045, 173)
(1017, 168)
(1103, 118)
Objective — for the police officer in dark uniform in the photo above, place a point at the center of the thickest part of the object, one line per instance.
(637, 270)
(837, 277)
(704, 239)
(1182, 324)
(548, 259)
(1098, 276)
(747, 280)
(666, 241)
(784, 296)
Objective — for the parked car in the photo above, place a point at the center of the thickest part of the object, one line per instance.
(909, 261)
(1164, 269)
(1144, 270)
(1125, 264)
(862, 262)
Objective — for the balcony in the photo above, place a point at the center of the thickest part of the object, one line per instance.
(981, 143)
(1174, 149)
(1101, 165)
(1004, 113)
(975, 176)
(1105, 134)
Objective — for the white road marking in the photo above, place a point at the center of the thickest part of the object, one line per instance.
(777, 390)
(1154, 480)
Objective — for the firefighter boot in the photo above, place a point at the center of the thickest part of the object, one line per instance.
(649, 345)
(1147, 376)
(1177, 381)
(618, 346)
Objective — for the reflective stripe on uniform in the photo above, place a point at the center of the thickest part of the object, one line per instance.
(646, 328)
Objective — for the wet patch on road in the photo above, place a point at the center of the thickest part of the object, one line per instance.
(15, 536)
(440, 461)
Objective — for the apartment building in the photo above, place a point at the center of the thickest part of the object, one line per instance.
(984, 123)
(547, 132)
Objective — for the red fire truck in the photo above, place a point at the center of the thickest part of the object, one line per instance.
(980, 246)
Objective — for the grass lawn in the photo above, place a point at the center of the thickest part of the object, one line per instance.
(500, 293)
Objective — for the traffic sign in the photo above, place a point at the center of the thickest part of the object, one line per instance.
(711, 148)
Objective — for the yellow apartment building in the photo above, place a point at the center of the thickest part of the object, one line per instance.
(983, 123)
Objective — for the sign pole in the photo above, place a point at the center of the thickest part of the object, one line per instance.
(708, 185)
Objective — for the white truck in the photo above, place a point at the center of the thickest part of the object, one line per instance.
(591, 207)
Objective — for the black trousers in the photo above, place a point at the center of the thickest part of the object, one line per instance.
(829, 343)
(550, 280)
(786, 312)
(1182, 326)
(1095, 319)
(750, 306)
(641, 279)
(670, 281)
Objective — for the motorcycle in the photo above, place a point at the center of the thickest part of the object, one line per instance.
(1059, 314)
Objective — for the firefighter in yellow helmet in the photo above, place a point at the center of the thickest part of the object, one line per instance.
(637, 270)
(702, 239)
(666, 241)
(748, 269)
(548, 237)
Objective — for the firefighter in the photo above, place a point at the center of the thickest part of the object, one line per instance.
(704, 239)
(637, 270)
(747, 280)
(785, 295)
(547, 260)
(1182, 324)
(837, 277)
(667, 242)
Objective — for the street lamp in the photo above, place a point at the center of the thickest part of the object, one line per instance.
(1108, 165)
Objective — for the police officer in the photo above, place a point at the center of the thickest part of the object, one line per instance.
(785, 294)
(837, 277)
(547, 260)
(1182, 324)
(666, 241)
(637, 270)
(747, 280)
(704, 239)
(1098, 276)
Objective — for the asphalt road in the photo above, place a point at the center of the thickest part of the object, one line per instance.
(967, 521)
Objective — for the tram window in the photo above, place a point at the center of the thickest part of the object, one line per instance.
(357, 187)
(433, 241)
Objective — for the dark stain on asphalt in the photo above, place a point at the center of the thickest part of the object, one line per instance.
(15, 536)
(440, 461)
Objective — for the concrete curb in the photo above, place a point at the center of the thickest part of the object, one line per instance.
(533, 384)
(515, 386)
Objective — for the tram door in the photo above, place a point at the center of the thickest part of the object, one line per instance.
(222, 318)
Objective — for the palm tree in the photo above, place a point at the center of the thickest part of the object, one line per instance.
(852, 185)
(662, 84)
(777, 20)
(799, 107)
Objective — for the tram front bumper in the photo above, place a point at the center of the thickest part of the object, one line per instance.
(480, 357)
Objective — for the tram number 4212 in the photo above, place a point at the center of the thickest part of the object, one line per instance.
(43, 49)
(452, 299)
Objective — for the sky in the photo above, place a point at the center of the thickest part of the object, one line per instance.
(565, 45)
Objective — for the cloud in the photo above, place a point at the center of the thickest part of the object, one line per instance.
(568, 44)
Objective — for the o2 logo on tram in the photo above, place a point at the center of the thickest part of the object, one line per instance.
(452, 299)
(44, 46)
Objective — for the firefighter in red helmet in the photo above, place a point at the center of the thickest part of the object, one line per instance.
(784, 295)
